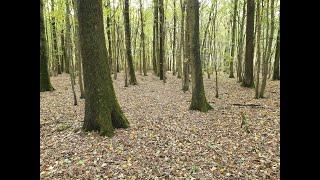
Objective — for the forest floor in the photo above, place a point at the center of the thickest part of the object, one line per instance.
(165, 139)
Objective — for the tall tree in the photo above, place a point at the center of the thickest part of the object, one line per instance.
(241, 42)
(185, 79)
(248, 75)
(69, 55)
(234, 23)
(142, 40)
(102, 110)
(45, 84)
(268, 53)
(57, 64)
(155, 37)
(162, 40)
(276, 65)
(259, 18)
(132, 80)
(174, 39)
(198, 101)
(77, 49)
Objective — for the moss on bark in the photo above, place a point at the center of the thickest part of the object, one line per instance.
(45, 84)
(102, 111)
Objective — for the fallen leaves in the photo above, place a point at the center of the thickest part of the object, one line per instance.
(165, 140)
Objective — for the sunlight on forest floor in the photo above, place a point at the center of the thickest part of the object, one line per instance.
(165, 139)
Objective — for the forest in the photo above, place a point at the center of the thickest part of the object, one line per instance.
(160, 89)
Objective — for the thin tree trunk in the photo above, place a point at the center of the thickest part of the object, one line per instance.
(162, 40)
(268, 53)
(185, 80)
(77, 48)
(233, 37)
(132, 80)
(276, 72)
(240, 47)
(259, 15)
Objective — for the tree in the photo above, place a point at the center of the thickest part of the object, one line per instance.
(185, 79)
(162, 40)
(45, 84)
(174, 38)
(276, 72)
(102, 110)
(155, 37)
(132, 80)
(57, 65)
(240, 42)
(268, 53)
(198, 101)
(142, 41)
(258, 49)
(77, 48)
(233, 37)
(248, 74)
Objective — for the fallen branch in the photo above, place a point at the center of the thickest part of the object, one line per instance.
(250, 105)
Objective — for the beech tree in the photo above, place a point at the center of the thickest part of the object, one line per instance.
(198, 101)
(102, 110)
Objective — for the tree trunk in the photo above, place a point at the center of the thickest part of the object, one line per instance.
(102, 110)
(155, 38)
(276, 72)
(233, 37)
(69, 55)
(240, 47)
(45, 84)
(142, 41)
(268, 53)
(259, 15)
(185, 80)
(198, 101)
(77, 48)
(132, 80)
(248, 75)
(162, 38)
(57, 66)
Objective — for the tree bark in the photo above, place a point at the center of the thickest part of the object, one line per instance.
(143, 40)
(240, 47)
(233, 37)
(102, 110)
(276, 66)
(45, 84)
(132, 80)
(198, 101)
(248, 75)
(162, 38)
(259, 15)
(268, 53)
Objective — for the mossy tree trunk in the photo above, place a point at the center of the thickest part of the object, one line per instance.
(109, 36)
(132, 80)
(198, 101)
(57, 65)
(102, 110)
(234, 23)
(45, 84)
(276, 65)
(249, 53)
